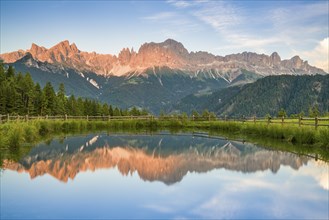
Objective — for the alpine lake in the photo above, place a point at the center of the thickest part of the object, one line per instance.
(162, 175)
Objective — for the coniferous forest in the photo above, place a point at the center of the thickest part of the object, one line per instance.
(19, 95)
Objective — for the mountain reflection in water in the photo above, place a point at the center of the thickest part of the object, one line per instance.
(161, 157)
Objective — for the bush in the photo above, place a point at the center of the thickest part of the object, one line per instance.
(43, 129)
(324, 137)
(16, 137)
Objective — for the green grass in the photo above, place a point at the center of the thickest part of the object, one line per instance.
(15, 134)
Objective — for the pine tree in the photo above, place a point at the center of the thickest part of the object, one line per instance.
(61, 100)
(80, 109)
(195, 115)
(111, 110)
(2, 89)
(49, 100)
(29, 93)
(205, 114)
(10, 72)
(37, 99)
(116, 112)
(282, 113)
(71, 106)
(105, 109)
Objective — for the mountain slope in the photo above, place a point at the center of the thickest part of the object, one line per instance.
(267, 95)
(155, 77)
(169, 53)
(42, 73)
(154, 90)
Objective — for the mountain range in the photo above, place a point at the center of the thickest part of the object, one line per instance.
(153, 158)
(154, 77)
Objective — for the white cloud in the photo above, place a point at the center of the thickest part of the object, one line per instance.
(270, 29)
(319, 56)
(180, 4)
(161, 16)
(238, 27)
(159, 208)
(283, 16)
(219, 15)
(172, 23)
(320, 174)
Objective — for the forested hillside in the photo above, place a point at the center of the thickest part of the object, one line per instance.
(294, 94)
(19, 95)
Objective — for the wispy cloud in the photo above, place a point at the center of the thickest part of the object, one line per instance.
(220, 15)
(234, 26)
(284, 26)
(302, 22)
(159, 208)
(172, 23)
(319, 56)
(288, 28)
(180, 3)
(283, 15)
(161, 16)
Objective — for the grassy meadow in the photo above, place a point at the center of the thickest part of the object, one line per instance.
(15, 134)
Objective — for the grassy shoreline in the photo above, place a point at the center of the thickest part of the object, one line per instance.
(15, 134)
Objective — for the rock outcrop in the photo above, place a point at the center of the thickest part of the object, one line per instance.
(169, 53)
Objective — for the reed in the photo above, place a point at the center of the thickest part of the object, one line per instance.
(19, 133)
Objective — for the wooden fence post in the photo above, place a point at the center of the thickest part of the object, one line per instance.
(47, 117)
(282, 120)
(316, 122)
(8, 118)
(65, 117)
(109, 118)
(0, 119)
(87, 117)
(192, 117)
(26, 117)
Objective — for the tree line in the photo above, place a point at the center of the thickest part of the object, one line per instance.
(19, 95)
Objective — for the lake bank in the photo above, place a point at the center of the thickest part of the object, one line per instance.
(14, 134)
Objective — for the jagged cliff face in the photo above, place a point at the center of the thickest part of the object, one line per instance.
(168, 169)
(170, 54)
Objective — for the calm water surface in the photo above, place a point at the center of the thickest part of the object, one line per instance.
(162, 176)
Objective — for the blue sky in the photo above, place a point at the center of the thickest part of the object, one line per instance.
(219, 27)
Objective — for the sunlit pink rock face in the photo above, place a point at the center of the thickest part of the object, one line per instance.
(169, 53)
(169, 169)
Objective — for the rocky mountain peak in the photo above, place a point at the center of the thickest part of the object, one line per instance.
(27, 56)
(171, 54)
(74, 48)
(297, 62)
(275, 58)
(65, 48)
(177, 47)
(124, 56)
(63, 44)
(35, 49)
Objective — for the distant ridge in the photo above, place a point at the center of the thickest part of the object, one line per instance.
(171, 54)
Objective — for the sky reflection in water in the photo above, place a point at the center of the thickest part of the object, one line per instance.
(162, 176)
